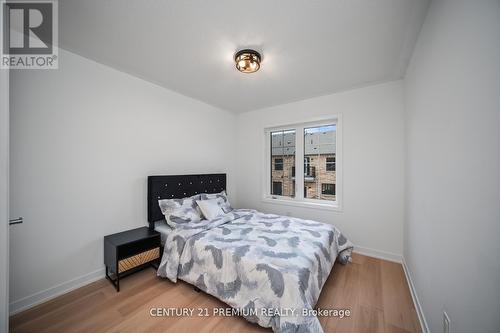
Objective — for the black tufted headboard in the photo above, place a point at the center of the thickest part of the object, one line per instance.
(176, 187)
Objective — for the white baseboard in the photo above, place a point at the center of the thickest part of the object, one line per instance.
(378, 254)
(416, 302)
(47, 294)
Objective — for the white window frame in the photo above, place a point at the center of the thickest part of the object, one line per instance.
(299, 199)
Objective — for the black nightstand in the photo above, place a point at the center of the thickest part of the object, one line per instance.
(129, 251)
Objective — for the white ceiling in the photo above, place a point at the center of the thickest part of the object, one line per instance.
(310, 48)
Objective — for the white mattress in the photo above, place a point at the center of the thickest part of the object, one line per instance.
(163, 228)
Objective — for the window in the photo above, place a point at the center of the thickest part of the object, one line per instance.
(319, 143)
(330, 163)
(277, 188)
(283, 157)
(328, 189)
(312, 167)
(278, 164)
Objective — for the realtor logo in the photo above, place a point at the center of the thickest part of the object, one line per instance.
(29, 34)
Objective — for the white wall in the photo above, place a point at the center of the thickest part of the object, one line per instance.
(373, 162)
(452, 226)
(4, 199)
(83, 140)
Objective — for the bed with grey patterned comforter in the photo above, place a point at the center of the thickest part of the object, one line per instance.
(255, 262)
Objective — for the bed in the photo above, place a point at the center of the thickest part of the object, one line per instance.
(269, 268)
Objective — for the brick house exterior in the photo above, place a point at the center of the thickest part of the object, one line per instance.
(319, 164)
(314, 178)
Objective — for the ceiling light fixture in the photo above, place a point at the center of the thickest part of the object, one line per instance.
(247, 61)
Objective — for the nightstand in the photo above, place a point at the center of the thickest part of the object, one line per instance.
(129, 251)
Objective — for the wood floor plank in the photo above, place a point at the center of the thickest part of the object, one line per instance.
(375, 291)
(340, 292)
(369, 319)
(183, 296)
(102, 314)
(52, 305)
(370, 284)
(399, 311)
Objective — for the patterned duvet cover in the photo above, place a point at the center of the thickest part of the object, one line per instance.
(270, 267)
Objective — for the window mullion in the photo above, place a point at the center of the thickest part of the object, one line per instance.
(299, 163)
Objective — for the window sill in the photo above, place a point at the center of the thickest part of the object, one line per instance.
(314, 205)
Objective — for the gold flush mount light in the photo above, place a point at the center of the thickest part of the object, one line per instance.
(247, 61)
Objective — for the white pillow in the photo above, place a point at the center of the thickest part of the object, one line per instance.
(223, 201)
(210, 208)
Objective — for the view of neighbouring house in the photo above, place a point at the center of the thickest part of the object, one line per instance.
(319, 162)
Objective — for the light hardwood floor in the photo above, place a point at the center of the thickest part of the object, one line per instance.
(374, 290)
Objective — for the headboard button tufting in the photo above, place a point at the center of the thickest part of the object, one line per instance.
(163, 187)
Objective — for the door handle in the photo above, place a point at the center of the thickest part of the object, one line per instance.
(18, 220)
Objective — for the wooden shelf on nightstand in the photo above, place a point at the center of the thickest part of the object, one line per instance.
(129, 251)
